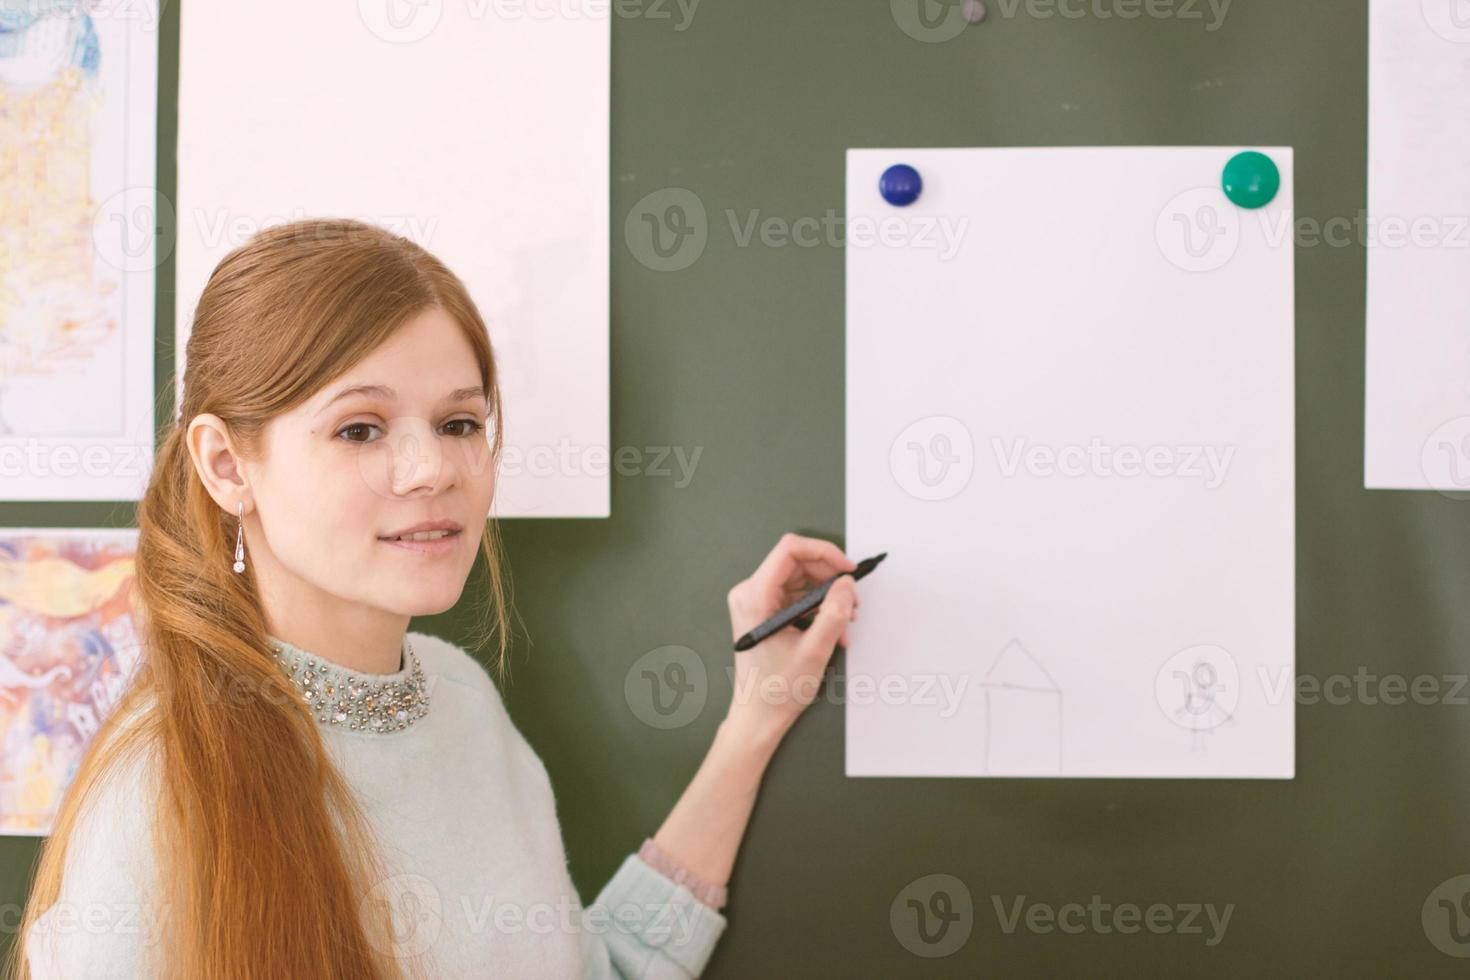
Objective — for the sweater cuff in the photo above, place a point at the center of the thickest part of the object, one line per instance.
(661, 914)
(715, 896)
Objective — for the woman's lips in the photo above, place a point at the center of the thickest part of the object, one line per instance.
(435, 546)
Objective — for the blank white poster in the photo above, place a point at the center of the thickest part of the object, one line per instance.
(479, 131)
(1417, 237)
(1070, 426)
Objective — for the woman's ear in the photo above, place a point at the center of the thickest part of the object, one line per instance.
(216, 462)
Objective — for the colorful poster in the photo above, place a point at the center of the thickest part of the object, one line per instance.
(78, 226)
(68, 648)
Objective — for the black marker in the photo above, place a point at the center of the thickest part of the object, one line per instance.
(794, 613)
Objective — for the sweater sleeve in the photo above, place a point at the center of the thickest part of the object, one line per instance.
(104, 923)
(643, 926)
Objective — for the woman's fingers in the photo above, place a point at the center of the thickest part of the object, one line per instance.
(813, 572)
(792, 568)
(787, 598)
(833, 615)
(796, 559)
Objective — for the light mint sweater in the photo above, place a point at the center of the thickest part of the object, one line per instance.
(478, 873)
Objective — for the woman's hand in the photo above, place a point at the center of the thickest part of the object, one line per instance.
(777, 678)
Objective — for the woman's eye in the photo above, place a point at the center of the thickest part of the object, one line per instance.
(356, 426)
(473, 427)
(350, 433)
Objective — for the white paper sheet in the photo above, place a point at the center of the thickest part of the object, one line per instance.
(79, 214)
(479, 131)
(1070, 425)
(1417, 415)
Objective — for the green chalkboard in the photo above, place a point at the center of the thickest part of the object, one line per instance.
(730, 353)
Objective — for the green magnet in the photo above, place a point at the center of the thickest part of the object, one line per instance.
(1251, 179)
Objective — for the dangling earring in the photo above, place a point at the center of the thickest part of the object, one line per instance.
(240, 541)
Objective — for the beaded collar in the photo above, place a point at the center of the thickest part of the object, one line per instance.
(351, 699)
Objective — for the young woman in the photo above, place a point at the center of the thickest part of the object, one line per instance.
(296, 786)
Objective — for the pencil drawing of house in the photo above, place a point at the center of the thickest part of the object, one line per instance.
(1023, 716)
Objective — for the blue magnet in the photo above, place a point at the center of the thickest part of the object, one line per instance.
(1251, 179)
(900, 185)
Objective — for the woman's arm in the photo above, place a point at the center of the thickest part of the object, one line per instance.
(774, 682)
(703, 831)
(705, 827)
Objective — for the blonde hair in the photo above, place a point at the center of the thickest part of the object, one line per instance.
(269, 864)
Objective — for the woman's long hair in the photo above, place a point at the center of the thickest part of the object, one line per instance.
(267, 867)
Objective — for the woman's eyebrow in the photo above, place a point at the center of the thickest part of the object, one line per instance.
(383, 391)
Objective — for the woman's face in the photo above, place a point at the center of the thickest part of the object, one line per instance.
(343, 472)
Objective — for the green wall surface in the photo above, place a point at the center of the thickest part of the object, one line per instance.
(736, 354)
